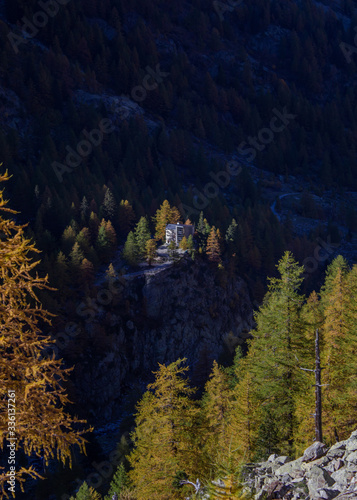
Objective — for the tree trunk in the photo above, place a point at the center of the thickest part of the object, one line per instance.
(318, 403)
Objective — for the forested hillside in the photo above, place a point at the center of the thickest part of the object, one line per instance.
(236, 119)
(213, 79)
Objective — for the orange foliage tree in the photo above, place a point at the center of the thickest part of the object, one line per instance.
(34, 380)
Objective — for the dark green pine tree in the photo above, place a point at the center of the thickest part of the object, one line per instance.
(130, 251)
(109, 205)
(278, 343)
(142, 236)
(203, 230)
(231, 233)
(119, 482)
(102, 243)
(86, 492)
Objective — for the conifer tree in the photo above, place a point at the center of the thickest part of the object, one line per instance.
(231, 232)
(183, 243)
(130, 252)
(84, 208)
(109, 205)
(213, 247)
(215, 405)
(243, 417)
(203, 230)
(142, 236)
(76, 256)
(68, 239)
(126, 216)
(164, 435)
(165, 215)
(191, 246)
(277, 341)
(119, 482)
(93, 226)
(102, 244)
(339, 263)
(111, 234)
(83, 239)
(312, 320)
(86, 492)
(35, 382)
(338, 357)
(150, 251)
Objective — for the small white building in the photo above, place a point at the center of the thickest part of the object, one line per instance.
(175, 232)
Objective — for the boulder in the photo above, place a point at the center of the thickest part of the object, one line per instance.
(320, 462)
(337, 450)
(342, 477)
(351, 444)
(318, 479)
(293, 469)
(282, 460)
(351, 457)
(334, 465)
(314, 452)
(327, 494)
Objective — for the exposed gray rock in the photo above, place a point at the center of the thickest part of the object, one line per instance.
(320, 462)
(351, 457)
(342, 477)
(327, 494)
(314, 451)
(351, 444)
(328, 477)
(334, 465)
(318, 479)
(337, 450)
(182, 311)
(292, 468)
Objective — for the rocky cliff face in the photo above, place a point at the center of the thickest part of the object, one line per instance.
(320, 474)
(187, 310)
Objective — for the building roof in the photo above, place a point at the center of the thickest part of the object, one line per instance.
(173, 226)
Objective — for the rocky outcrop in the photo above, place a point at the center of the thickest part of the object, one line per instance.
(320, 474)
(189, 310)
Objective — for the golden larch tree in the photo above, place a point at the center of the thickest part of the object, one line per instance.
(165, 215)
(30, 377)
(213, 246)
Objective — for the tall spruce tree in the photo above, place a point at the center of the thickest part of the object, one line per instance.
(130, 251)
(215, 404)
(338, 357)
(142, 236)
(164, 435)
(275, 348)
